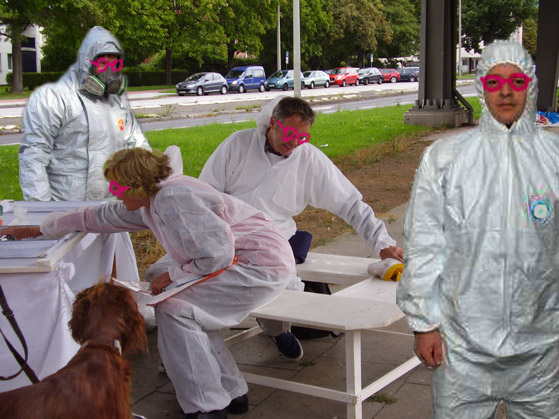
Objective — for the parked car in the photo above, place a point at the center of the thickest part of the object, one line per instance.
(282, 79)
(202, 84)
(390, 75)
(342, 76)
(316, 78)
(370, 75)
(244, 78)
(409, 74)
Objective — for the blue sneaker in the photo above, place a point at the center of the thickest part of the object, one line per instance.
(289, 346)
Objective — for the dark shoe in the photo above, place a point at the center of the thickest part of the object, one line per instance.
(289, 346)
(214, 414)
(238, 405)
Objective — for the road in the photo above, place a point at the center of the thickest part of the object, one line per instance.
(157, 112)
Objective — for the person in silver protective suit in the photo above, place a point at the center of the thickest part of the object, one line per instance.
(71, 127)
(481, 284)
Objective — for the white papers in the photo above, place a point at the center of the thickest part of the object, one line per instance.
(142, 290)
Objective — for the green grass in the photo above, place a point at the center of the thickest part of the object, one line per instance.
(196, 143)
(382, 398)
(9, 173)
(345, 132)
(161, 87)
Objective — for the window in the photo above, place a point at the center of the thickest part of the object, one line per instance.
(9, 61)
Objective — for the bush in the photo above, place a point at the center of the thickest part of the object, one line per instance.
(154, 78)
(33, 80)
(136, 77)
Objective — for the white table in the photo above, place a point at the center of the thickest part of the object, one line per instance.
(366, 304)
(40, 291)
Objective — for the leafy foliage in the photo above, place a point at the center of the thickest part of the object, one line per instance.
(486, 21)
(403, 37)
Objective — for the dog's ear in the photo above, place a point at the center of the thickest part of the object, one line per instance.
(80, 311)
(135, 338)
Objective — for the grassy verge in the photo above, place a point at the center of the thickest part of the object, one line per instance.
(339, 135)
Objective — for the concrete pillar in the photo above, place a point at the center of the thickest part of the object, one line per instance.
(547, 55)
(437, 103)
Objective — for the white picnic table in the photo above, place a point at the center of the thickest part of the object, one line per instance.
(368, 303)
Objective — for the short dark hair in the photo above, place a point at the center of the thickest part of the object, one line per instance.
(293, 105)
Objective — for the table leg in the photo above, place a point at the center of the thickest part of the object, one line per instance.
(353, 372)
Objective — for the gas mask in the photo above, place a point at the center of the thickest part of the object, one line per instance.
(108, 79)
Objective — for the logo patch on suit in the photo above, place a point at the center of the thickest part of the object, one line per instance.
(120, 123)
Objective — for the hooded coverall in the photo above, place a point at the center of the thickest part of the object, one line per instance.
(202, 230)
(482, 261)
(69, 134)
(284, 187)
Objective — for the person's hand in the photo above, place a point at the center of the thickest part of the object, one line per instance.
(393, 252)
(429, 349)
(160, 282)
(21, 232)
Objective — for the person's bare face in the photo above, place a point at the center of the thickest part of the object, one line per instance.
(132, 203)
(506, 104)
(275, 134)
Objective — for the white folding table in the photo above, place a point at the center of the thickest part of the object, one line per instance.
(39, 279)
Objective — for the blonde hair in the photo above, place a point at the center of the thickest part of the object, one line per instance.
(138, 168)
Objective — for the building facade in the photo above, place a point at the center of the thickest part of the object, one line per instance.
(30, 52)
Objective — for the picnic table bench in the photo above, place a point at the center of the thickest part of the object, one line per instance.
(367, 303)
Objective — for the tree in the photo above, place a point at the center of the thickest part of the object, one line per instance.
(316, 30)
(405, 26)
(17, 15)
(530, 35)
(356, 23)
(484, 20)
(190, 27)
(244, 23)
(135, 23)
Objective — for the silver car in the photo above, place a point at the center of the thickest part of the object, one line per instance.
(316, 78)
(202, 84)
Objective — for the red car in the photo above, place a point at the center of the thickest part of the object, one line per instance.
(342, 76)
(390, 75)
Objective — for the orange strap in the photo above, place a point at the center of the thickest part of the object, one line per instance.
(216, 273)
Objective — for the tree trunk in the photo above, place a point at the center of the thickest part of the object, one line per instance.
(168, 65)
(230, 57)
(17, 79)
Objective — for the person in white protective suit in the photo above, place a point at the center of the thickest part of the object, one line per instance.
(72, 126)
(276, 169)
(204, 231)
(481, 284)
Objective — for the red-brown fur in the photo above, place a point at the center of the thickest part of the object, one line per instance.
(96, 381)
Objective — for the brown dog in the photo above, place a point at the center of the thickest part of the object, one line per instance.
(96, 381)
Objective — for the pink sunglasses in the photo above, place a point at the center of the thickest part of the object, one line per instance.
(518, 82)
(116, 189)
(102, 64)
(289, 133)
